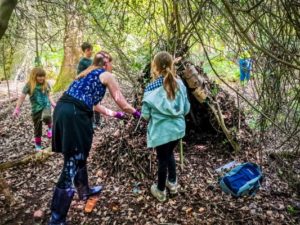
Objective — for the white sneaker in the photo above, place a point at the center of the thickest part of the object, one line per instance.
(159, 195)
(173, 187)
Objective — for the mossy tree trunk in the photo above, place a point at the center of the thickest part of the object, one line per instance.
(72, 41)
(6, 9)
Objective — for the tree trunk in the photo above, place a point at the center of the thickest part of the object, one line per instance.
(72, 41)
(6, 9)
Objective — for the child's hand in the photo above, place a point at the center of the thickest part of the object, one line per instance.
(119, 115)
(16, 112)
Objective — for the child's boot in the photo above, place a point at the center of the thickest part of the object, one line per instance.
(38, 143)
(82, 185)
(172, 186)
(159, 195)
(61, 202)
(49, 131)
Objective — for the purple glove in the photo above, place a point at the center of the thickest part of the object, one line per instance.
(136, 114)
(16, 112)
(119, 115)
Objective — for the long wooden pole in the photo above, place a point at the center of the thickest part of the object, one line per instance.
(181, 154)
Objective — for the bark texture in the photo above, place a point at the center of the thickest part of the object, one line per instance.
(6, 9)
(72, 41)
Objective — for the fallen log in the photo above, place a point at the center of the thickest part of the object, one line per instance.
(39, 157)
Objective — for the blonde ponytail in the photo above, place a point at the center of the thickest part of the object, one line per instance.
(162, 64)
(170, 83)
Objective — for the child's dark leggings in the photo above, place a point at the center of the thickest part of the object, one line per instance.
(38, 119)
(71, 165)
(166, 164)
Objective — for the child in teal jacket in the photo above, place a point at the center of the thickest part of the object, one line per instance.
(165, 105)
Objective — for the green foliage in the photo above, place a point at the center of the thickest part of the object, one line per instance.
(225, 67)
(63, 83)
(51, 61)
(7, 61)
(292, 210)
(225, 142)
(253, 124)
(214, 90)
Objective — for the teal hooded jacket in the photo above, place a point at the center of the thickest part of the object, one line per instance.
(166, 117)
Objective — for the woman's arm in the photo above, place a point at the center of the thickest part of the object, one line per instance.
(105, 111)
(108, 80)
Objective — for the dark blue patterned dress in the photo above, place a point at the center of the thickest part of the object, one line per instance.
(88, 89)
(72, 124)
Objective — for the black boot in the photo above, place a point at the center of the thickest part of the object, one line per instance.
(82, 185)
(61, 201)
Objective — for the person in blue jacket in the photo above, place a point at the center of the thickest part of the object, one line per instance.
(165, 105)
(245, 64)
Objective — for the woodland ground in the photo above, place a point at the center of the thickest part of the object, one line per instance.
(126, 178)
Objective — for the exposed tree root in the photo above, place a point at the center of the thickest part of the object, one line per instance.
(40, 156)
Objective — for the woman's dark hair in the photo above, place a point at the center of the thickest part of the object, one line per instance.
(85, 46)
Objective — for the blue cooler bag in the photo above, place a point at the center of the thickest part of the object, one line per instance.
(244, 179)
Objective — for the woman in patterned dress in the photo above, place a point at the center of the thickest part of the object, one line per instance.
(73, 131)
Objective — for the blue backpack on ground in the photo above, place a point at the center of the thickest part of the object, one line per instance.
(244, 179)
